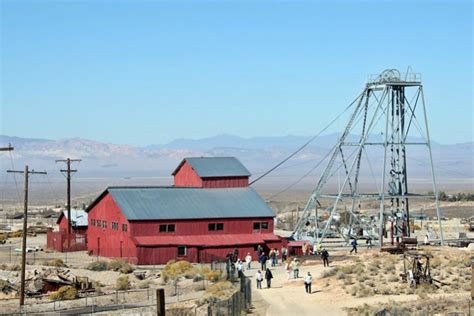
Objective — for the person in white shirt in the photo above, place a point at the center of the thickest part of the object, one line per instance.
(240, 268)
(248, 260)
(259, 278)
(307, 283)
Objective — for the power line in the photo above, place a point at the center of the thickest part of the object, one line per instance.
(308, 142)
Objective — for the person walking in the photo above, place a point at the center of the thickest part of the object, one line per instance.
(272, 257)
(277, 253)
(284, 253)
(304, 249)
(354, 245)
(268, 277)
(307, 282)
(288, 268)
(259, 251)
(325, 257)
(318, 248)
(369, 242)
(240, 268)
(259, 278)
(295, 266)
(263, 261)
(248, 260)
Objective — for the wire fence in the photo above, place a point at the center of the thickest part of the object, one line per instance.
(12, 255)
(142, 300)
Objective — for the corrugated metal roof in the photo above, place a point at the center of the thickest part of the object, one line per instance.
(206, 240)
(216, 167)
(149, 203)
(78, 217)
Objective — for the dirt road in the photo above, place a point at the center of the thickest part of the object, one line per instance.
(288, 297)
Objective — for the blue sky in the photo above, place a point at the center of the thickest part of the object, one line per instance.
(150, 72)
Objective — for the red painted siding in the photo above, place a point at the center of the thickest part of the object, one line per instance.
(105, 241)
(225, 182)
(161, 255)
(200, 226)
(187, 177)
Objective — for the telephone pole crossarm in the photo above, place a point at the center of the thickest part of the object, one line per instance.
(9, 148)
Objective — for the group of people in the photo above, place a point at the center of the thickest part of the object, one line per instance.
(268, 277)
(292, 265)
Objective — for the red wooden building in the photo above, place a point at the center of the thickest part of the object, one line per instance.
(78, 222)
(209, 212)
(62, 241)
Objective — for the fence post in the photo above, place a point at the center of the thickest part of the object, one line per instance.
(209, 310)
(160, 302)
(116, 297)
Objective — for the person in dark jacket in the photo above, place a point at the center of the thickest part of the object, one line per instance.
(354, 245)
(325, 257)
(263, 261)
(268, 277)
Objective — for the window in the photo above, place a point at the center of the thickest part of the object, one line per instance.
(99, 223)
(182, 251)
(167, 228)
(216, 226)
(104, 224)
(93, 222)
(260, 226)
(115, 226)
(124, 227)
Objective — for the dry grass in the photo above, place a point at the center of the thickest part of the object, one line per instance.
(54, 263)
(10, 267)
(218, 291)
(64, 293)
(99, 265)
(122, 283)
(120, 265)
(175, 270)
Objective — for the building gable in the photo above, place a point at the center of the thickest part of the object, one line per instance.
(209, 167)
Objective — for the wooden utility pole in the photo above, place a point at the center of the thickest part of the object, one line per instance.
(25, 230)
(68, 172)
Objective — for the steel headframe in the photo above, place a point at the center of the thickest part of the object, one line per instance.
(383, 98)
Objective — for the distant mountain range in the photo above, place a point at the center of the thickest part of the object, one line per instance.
(257, 153)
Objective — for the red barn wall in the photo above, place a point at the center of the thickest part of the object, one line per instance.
(187, 177)
(200, 226)
(225, 182)
(163, 254)
(108, 242)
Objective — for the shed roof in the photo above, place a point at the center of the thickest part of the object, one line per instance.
(207, 167)
(162, 203)
(206, 240)
(78, 217)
